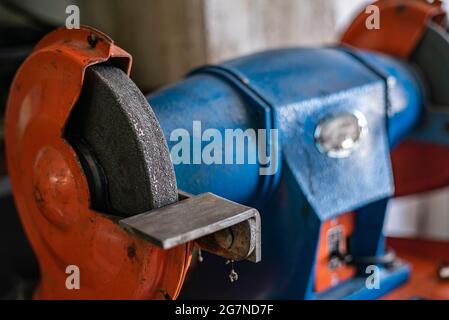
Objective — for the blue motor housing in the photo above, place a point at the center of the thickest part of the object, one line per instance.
(298, 186)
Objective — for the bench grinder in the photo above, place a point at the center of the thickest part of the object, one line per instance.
(93, 180)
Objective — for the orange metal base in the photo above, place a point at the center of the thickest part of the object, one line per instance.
(51, 191)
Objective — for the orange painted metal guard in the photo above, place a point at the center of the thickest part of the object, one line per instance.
(417, 167)
(51, 190)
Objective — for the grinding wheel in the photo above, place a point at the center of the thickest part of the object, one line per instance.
(121, 145)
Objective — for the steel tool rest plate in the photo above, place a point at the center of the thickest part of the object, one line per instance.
(115, 123)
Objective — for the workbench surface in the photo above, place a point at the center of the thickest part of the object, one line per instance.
(425, 258)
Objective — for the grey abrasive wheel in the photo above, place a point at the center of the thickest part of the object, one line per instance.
(121, 145)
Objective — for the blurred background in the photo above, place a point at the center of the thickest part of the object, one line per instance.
(167, 38)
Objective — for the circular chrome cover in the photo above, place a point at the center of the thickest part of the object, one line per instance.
(337, 136)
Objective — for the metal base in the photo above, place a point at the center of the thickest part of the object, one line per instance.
(356, 289)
